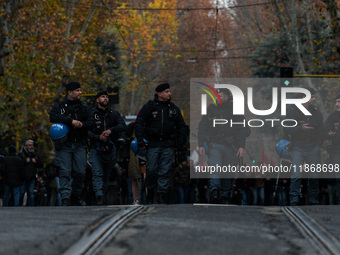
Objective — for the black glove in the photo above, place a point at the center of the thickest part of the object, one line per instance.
(141, 144)
(181, 144)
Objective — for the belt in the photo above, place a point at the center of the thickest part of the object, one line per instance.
(76, 140)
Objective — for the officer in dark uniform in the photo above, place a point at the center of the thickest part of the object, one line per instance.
(71, 157)
(332, 129)
(307, 138)
(160, 123)
(225, 143)
(103, 138)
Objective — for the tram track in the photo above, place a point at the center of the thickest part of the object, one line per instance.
(97, 237)
(320, 238)
(170, 229)
(94, 239)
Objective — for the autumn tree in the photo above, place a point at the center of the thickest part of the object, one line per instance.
(8, 13)
(148, 32)
(275, 34)
(53, 42)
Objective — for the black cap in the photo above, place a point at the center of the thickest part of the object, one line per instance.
(337, 97)
(12, 149)
(72, 85)
(104, 92)
(311, 90)
(225, 91)
(162, 87)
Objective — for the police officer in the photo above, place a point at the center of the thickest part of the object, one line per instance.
(307, 138)
(108, 125)
(225, 143)
(160, 123)
(71, 157)
(332, 129)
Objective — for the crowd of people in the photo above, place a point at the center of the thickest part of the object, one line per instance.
(93, 162)
(96, 164)
(18, 174)
(226, 144)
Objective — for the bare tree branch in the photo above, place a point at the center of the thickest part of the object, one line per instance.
(8, 9)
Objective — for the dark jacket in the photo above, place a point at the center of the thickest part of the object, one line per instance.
(182, 176)
(68, 110)
(104, 120)
(160, 123)
(223, 133)
(130, 136)
(301, 138)
(130, 131)
(30, 169)
(333, 124)
(13, 170)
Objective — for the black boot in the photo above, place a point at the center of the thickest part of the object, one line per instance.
(77, 201)
(161, 198)
(149, 198)
(65, 202)
(215, 197)
(224, 200)
(99, 200)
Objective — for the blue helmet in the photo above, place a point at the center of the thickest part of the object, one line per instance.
(58, 131)
(282, 148)
(134, 147)
(107, 151)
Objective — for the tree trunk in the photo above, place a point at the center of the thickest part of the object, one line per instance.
(70, 57)
(9, 9)
(294, 40)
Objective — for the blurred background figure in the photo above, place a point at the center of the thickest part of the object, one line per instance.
(32, 163)
(12, 171)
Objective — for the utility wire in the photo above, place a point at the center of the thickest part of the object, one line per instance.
(182, 9)
(215, 58)
(214, 51)
(57, 41)
(215, 35)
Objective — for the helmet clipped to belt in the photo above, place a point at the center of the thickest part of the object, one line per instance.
(107, 151)
(58, 134)
(139, 153)
(282, 148)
